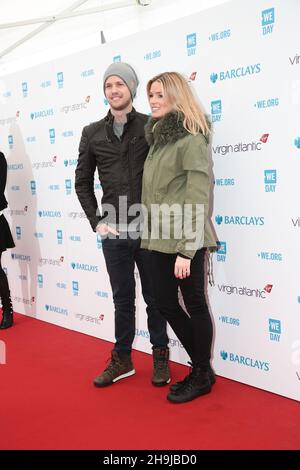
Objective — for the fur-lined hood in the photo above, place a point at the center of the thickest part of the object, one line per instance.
(166, 130)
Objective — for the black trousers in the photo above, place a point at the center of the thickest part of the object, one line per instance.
(121, 255)
(195, 329)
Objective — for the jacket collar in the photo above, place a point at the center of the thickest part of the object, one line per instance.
(166, 130)
(109, 118)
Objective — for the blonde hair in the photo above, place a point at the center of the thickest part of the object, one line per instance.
(177, 89)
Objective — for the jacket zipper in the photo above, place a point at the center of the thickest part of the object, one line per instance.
(130, 156)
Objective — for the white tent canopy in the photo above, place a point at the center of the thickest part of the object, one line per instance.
(35, 31)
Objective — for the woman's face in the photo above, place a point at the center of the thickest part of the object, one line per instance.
(158, 100)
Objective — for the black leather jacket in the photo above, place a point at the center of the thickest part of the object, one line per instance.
(3, 175)
(119, 163)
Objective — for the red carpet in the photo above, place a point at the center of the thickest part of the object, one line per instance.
(48, 402)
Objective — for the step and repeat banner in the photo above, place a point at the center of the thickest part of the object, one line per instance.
(244, 64)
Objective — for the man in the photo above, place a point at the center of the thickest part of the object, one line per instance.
(116, 146)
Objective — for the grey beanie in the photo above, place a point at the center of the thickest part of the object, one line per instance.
(124, 71)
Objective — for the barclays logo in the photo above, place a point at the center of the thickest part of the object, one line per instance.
(213, 77)
(117, 58)
(85, 267)
(224, 355)
(297, 142)
(52, 214)
(239, 220)
(42, 114)
(245, 361)
(55, 309)
(238, 72)
(268, 20)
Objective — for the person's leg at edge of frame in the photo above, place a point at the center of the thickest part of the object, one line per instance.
(7, 310)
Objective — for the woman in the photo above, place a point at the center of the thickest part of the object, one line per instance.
(177, 231)
(6, 241)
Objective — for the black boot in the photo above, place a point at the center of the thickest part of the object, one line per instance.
(211, 376)
(161, 371)
(7, 318)
(197, 384)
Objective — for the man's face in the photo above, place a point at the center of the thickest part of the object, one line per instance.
(117, 93)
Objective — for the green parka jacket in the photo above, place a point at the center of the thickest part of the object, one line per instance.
(175, 192)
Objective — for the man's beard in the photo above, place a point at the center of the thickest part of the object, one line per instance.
(121, 106)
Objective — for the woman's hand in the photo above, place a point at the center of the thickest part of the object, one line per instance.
(104, 230)
(182, 268)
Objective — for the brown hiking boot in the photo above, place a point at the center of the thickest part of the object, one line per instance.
(119, 368)
(161, 371)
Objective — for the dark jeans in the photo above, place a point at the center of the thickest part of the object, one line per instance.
(120, 255)
(195, 329)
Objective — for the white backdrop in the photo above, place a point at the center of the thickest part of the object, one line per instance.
(245, 68)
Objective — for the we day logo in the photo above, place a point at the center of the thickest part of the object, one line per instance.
(268, 20)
